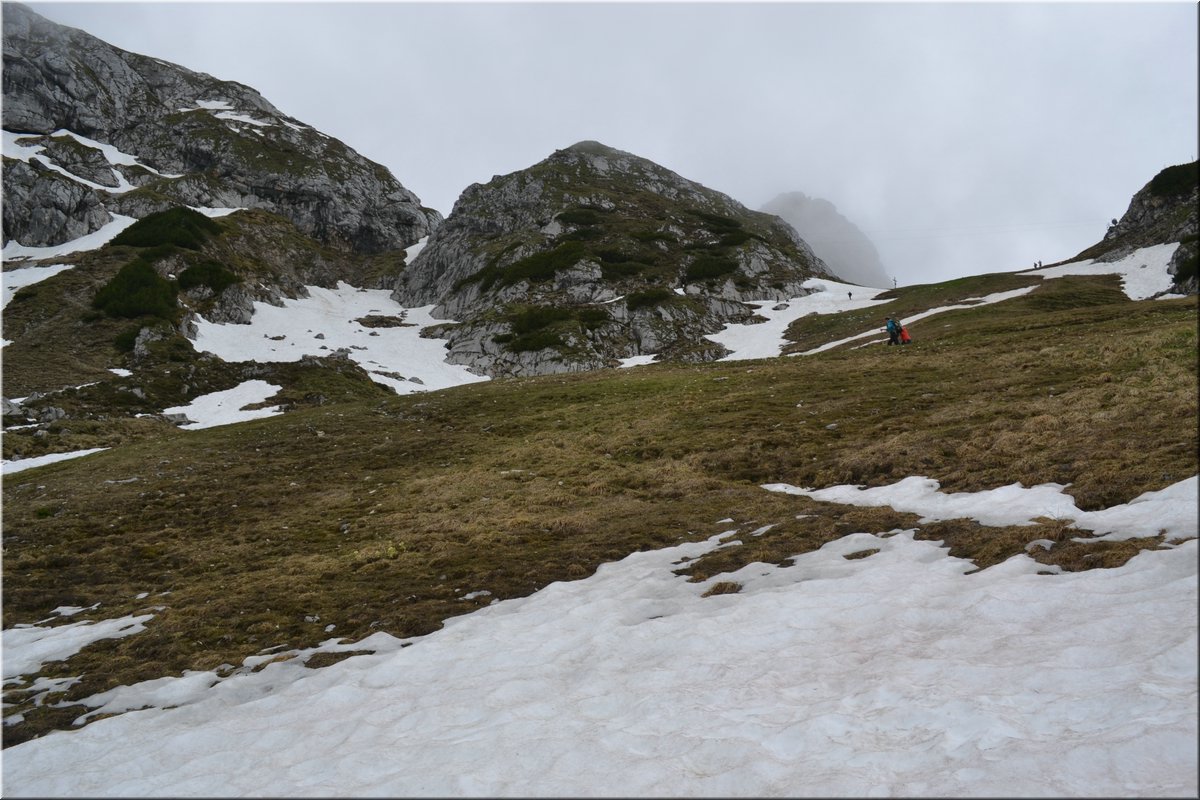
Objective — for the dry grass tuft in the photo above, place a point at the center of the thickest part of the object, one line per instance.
(861, 554)
(723, 587)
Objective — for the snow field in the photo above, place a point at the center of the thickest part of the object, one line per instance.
(765, 339)
(324, 322)
(1143, 274)
(893, 674)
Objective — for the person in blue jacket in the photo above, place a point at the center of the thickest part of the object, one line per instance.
(893, 329)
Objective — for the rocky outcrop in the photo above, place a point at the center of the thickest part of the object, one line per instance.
(836, 240)
(46, 208)
(594, 255)
(185, 138)
(1165, 210)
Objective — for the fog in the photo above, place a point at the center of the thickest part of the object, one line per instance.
(962, 138)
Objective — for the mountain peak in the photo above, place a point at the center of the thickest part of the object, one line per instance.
(594, 255)
(591, 146)
(835, 239)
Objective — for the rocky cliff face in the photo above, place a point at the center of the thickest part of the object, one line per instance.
(594, 255)
(139, 135)
(1165, 210)
(836, 240)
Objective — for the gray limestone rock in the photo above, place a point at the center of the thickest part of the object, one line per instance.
(202, 141)
(1165, 210)
(43, 208)
(594, 255)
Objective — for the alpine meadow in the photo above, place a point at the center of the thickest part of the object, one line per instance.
(602, 484)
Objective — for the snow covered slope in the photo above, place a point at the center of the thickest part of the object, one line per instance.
(894, 674)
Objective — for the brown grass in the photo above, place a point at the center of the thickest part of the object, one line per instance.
(380, 514)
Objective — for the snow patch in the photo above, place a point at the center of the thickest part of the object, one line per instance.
(766, 339)
(20, 464)
(92, 241)
(228, 406)
(27, 648)
(15, 279)
(327, 321)
(1143, 272)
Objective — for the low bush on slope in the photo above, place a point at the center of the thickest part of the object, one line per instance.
(384, 514)
(181, 227)
(137, 290)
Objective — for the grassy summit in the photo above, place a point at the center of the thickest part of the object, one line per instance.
(383, 513)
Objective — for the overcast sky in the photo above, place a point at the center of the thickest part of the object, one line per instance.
(962, 138)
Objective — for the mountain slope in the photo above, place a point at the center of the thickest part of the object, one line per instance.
(103, 149)
(383, 514)
(1165, 210)
(596, 255)
(195, 140)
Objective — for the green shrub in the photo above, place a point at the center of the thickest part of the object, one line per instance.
(180, 226)
(624, 269)
(530, 326)
(654, 236)
(609, 255)
(708, 267)
(137, 291)
(208, 273)
(537, 340)
(539, 267)
(580, 216)
(592, 318)
(1187, 269)
(534, 318)
(648, 297)
(717, 223)
(1176, 180)
(127, 338)
(735, 238)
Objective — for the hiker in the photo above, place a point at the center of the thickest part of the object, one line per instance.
(893, 329)
(850, 295)
(904, 337)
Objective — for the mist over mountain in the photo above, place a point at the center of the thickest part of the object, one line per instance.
(836, 240)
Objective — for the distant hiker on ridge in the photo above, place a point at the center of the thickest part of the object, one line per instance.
(893, 329)
(850, 295)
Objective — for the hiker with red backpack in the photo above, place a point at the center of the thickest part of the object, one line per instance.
(893, 329)
(897, 333)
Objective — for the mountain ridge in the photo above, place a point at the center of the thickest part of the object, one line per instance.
(223, 144)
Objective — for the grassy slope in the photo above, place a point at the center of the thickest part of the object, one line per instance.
(379, 514)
